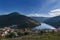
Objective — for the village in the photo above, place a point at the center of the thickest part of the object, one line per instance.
(8, 32)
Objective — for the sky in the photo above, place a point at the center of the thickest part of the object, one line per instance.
(38, 8)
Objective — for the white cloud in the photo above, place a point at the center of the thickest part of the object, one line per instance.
(52, 13)
(55, 12)
(38, 15)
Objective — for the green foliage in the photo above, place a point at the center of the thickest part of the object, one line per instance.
(11, 34)
(45, 36)
(20, 33)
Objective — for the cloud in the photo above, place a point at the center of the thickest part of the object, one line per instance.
(52, 13)
(37, 15)
(55, 12)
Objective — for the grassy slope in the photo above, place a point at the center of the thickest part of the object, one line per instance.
(46, 36)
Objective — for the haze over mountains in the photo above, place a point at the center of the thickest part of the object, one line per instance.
(40, 19)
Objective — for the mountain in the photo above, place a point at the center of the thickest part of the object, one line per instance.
(40, 19)
(16, 18)
(54, 21)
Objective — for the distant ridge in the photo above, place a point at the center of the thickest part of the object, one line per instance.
(40, 19)
(54, 21)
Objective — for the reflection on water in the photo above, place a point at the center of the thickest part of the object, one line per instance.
(44, 26)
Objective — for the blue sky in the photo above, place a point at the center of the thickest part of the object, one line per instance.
(28, 7)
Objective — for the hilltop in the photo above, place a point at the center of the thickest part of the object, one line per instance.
(16, 18)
